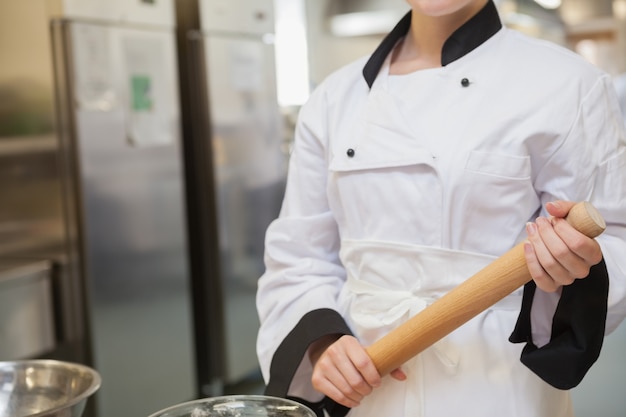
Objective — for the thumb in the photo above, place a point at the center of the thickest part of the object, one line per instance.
(398, 374)
(559, 208)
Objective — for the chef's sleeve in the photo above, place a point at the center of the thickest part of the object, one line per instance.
(297, 295)
(564, 331)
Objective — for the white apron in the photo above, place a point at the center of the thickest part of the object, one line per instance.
(474, 371)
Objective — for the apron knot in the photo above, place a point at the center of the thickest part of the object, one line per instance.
(377, 311)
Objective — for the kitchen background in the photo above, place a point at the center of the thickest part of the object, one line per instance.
(143, 152)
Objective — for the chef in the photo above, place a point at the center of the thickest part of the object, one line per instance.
(413, 169)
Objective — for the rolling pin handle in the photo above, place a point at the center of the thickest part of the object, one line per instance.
(585, 218)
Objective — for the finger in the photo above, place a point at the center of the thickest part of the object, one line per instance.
(584, 247)
(329, 389)
(328, 380)
(339, 373)
(363, 363)
(335, 387)
(556, 257)
(544, 269)
(398, 374)
(356, 367)
(559, 208)
(538, 274)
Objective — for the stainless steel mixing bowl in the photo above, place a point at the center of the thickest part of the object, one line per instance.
(237, 406)
(45, 388)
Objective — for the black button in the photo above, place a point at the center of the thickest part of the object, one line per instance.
(350, 152)
(465, 82)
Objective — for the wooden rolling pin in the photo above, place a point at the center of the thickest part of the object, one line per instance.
(479, 292)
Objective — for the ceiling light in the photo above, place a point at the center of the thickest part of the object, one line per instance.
(549, 4)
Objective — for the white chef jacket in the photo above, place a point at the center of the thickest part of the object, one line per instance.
(400, 187)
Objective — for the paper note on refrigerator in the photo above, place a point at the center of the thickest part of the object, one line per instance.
(149, 100)
(93, 69)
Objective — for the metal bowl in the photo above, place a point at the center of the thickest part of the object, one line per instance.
(237, 406)
(45, 388)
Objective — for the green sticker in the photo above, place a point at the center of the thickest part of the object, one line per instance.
(141, 98)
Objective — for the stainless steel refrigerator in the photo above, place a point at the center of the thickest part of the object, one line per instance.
(236, 160)
(119, 128)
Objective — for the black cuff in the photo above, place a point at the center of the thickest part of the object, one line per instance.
(287, 358)
(332, 408)
(578, 329)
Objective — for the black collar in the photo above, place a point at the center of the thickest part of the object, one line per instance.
(465, 39)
